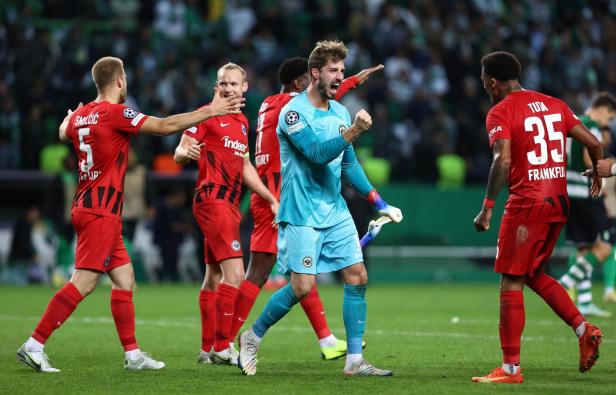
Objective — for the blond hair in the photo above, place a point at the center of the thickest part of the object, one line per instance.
(325, 51)
(232, 66)
(106, 70)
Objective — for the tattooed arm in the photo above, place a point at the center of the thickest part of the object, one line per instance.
(499, 177)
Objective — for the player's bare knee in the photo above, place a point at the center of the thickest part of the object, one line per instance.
(257, 277)
(512, 283)
(85, 281)
(355, 275)
(302, 284)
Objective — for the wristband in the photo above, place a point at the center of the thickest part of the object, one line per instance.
(613, 169)
(488, 203)
(376, 200)
(366, 240)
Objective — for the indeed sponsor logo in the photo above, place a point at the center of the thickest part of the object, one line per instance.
(234, 144)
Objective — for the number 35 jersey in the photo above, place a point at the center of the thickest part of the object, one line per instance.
(537, 126)
(100, 133)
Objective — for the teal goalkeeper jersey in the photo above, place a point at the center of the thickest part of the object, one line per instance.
(312, 154)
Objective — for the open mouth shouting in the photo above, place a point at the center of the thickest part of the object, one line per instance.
(334, 88)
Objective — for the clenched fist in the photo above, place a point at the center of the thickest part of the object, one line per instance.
(363, 120)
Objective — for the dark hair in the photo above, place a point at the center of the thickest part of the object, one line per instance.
(501, 65)
(604, 99)
(292, 68)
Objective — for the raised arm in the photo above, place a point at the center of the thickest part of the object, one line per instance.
(321, 152)
(356, 80)
(498, 178)
(175, 123)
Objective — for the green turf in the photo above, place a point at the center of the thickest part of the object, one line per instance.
(409, 331)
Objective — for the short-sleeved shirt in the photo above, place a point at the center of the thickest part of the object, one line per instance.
(537, 126)
(310, 194)
(100, 133)
(225, 140)
(267, 148)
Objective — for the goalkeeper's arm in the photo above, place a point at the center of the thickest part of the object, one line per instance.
(355, 175)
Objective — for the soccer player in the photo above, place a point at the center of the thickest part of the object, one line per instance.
(588, 226)
(294, 78)
(316, 232)
(220, 146)
(100, 133)
(527, 132)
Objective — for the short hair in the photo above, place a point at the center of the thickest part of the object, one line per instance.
(604, 99)
(501, 65)
(325, 51)
(105, 70)
(291, 69)
(232, 66)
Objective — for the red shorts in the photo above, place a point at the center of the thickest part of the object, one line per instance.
(100, 245)
(220, 223)
(524, 248)
(264, 236)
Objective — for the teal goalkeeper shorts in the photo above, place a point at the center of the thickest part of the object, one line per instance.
(307, 250)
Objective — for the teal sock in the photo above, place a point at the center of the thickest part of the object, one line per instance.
(278, 305)
(354, 315)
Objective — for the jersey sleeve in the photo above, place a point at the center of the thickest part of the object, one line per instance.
(569, 118)
(196, 132)
(126, 119)
(354, 173)
(293, 125)
(497, 126)
(347, 85)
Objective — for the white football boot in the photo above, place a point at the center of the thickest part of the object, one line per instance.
(249, 346)
(224, 357)
(37, 360)
(204, 357)
(365, 369)
(143, 362)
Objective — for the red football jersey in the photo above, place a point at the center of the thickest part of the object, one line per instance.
(100, 133)
(537, 126)
(221, 163)
(267, 147)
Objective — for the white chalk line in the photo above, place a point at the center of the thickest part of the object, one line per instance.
(190, 322)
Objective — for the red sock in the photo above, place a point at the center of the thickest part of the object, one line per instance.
(246, 298)
(226, 296)
(511, 325)
(123, 312)
(313, 307)
(556, 297)
(207, 305)
(60, 307)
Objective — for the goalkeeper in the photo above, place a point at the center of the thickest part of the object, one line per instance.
(316, 232)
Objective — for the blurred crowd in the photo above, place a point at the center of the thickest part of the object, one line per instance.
(428, 105)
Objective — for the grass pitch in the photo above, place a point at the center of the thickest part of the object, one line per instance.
(411, 330)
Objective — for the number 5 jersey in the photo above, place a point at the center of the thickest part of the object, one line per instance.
(537, 126)
(100, 133)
